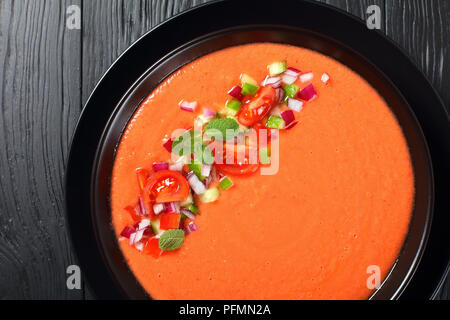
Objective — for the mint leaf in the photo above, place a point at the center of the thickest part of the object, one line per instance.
(171, 239)
(222, 129)
(186, 143)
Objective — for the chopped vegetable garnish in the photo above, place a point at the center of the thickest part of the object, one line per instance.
(210, 195)
(264, 155)
(325, 78)
(188, 106)
(193, 208)
(226, 183)
(191, 227)
(170, 220)
(158, 166)
(171, 239)
(308, 76)
(235, 92)
(168, 145)
(294, 104)
(165, 209)
(288, 117)
(127, 231)
(249, 89)
(245, 78)
(290, 90)
(308, 93)
(233, 106)
(275, 122)
(277, 68)
(275, 82)
(196, 167)
(197, 186)
(152, 247)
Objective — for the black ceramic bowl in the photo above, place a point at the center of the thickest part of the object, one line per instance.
(142, 68)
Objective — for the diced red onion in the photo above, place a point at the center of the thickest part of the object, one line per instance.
(188, 213)
(294, 104)
(191, 227)
(280, 94)
(288, 79)
(292, 72)
(139, 246)
(274, 82)
(188, 106)
(144, 224)
(235, 92)
(158, 166)
(325, 78)
(290, 126)
(306, 77)
(206, 170)
(132, 238)
(288, 117)
(142, 208)
(168, 145)
(308, 93)
(197, 186)
(208, 113)
(158, 208)
(127, 231)
(177, 166)
(173, 207)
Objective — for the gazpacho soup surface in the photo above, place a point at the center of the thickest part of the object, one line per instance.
(336, 211)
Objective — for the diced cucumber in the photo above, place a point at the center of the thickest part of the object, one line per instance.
(210, 195)
(226, 183)
(249, 89)
(277, 68)
(155, 227)
(264, 155)
(245, 78)
(188, 201)
(290, 90)
(275, 122)
(233, 106)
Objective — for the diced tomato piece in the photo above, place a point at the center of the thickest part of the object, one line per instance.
(133, 213)
(142, 175)
(167, 186)
(240, 164)
(257, 108)
(152, 248)
(170, 220)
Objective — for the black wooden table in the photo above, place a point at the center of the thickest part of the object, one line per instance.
(48, 67)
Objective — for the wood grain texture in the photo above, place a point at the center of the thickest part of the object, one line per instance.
(47, 74)
(40, 104)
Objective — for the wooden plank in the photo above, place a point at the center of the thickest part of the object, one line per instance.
(422, 29)
(40, 104)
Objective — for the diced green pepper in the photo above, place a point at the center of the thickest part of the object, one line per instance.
(249, 89)
(290, 90)
(196, 167)
(193, 208)
(233, 106)
(264, 155)
(226, 183)
(274, 122)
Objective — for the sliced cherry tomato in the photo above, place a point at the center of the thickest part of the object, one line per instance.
(167, 186)
(238, 166)
(152, 247)
(257, 108)
(258, 127)
(170, 220)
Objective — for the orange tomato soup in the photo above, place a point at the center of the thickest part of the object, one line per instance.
(340, 202)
